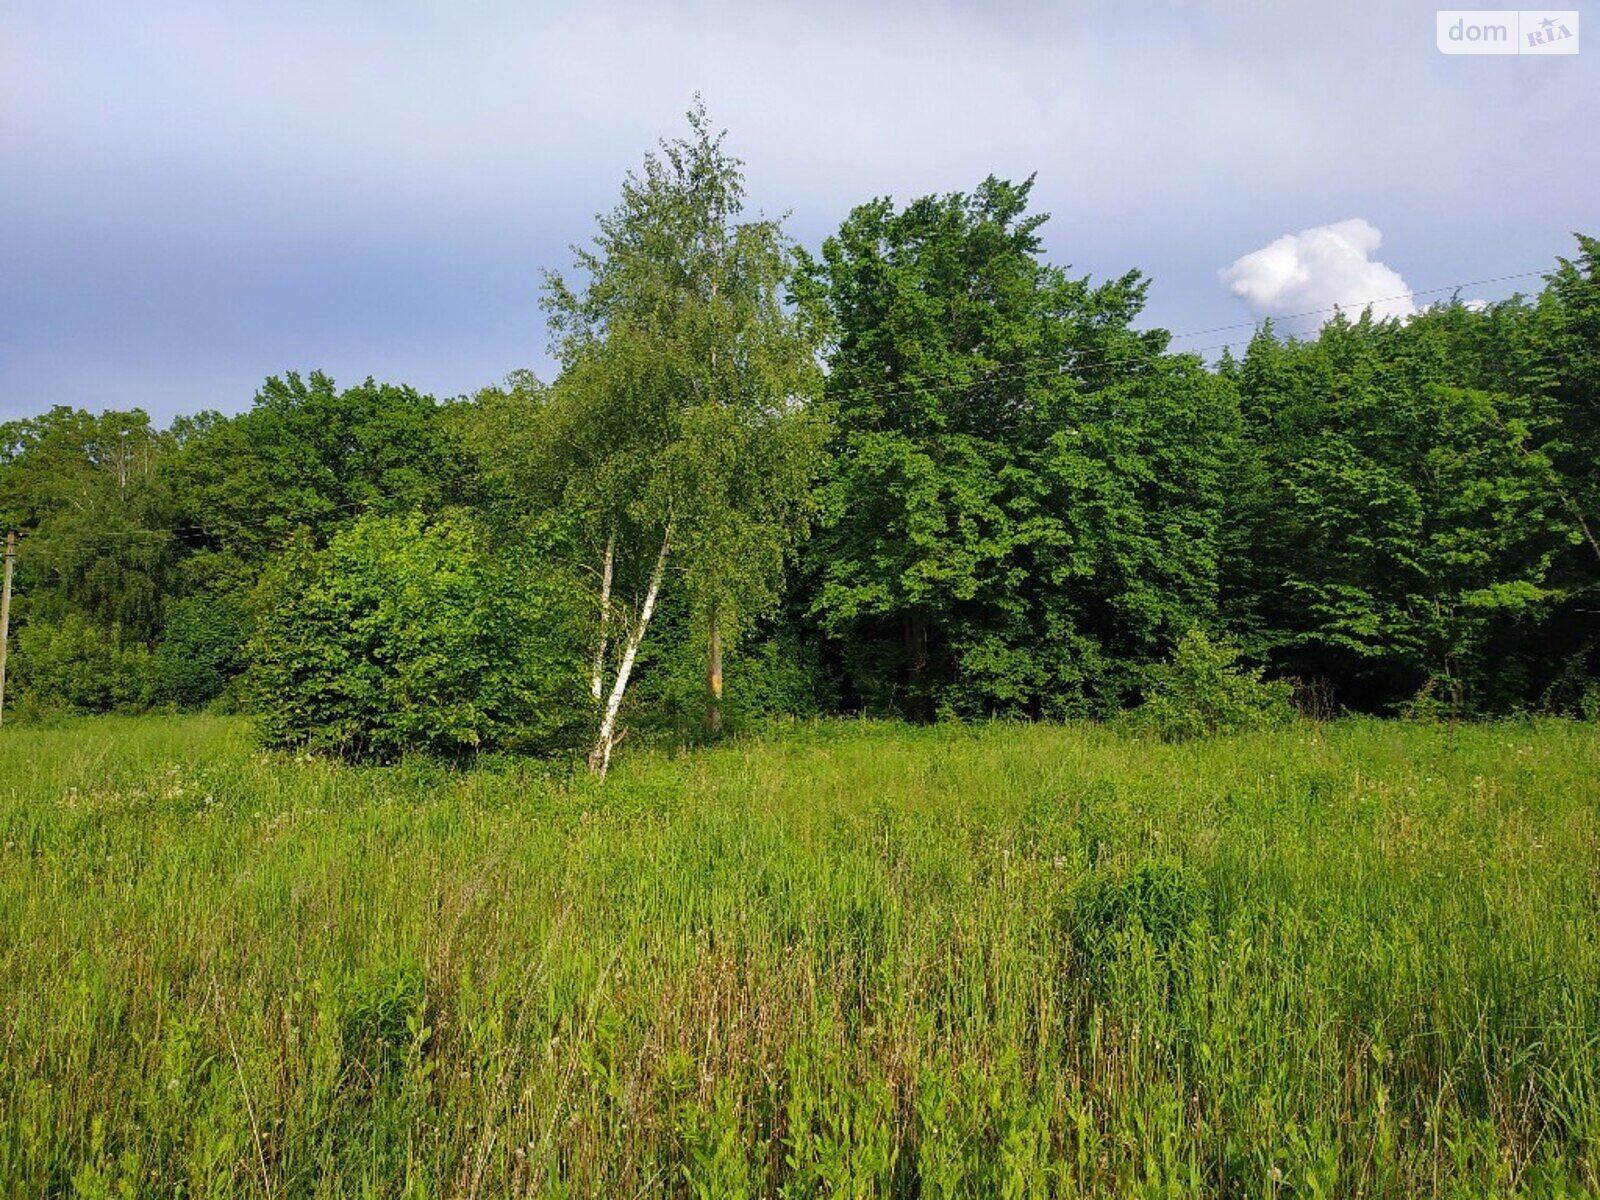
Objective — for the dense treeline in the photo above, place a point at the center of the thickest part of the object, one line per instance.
(919, 471)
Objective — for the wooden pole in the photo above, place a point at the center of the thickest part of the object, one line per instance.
(5, 619)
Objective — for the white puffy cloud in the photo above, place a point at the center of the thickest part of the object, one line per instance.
(1316, 269)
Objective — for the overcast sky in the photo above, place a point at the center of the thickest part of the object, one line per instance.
(196, 195)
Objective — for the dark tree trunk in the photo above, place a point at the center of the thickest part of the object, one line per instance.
(919, 705)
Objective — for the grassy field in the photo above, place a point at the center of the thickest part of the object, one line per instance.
(850, 960)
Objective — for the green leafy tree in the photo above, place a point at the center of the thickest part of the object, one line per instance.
(201, 651)
(310, 455)
(1561, 361)
(1024, 493)
(96, 557)
(307, 456)
(1401, 523)
(681, 421)
(511, 450)
(75, 663)
(1552, 353)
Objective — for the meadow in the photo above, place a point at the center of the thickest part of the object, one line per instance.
(840, 959)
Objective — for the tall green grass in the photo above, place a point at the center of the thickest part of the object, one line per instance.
(851, 960)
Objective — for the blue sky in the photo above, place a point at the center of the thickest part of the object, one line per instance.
(198, 195)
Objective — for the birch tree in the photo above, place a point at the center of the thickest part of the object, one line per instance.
(684, 411)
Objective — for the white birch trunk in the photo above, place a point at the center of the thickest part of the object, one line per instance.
(596, 681)
(600, 756)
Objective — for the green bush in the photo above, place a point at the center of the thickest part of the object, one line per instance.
(80, 665)
(1201, 691)
(1157, 903)
(201, 648)
(385, 1015)
(407, 634)
(1589, 703)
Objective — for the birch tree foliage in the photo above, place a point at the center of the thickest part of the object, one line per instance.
(683, 411)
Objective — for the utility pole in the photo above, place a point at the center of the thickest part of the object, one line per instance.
(5, 620)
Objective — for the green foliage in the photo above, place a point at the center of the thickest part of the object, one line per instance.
(681, 424)
(996, 497)
(95, 561)
(385, 1015)
(201, 648)
(413, 635)
(1159, 901)
(308, 455)
(513, 446)
(1201, 692)
(772, 673)
(1589, 704)
(1402, 519)
(1025, 494)
(77, 664)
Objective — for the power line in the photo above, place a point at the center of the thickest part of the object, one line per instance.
(1078, 360)
(1364, 304)
(174, 531)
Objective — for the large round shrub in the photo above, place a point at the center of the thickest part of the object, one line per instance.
(413, 634)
